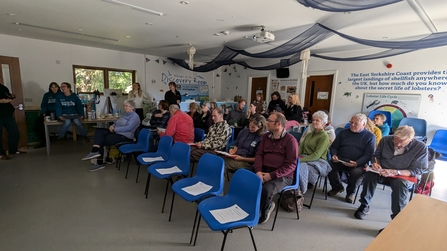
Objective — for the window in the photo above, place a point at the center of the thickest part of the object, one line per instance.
(88, 79)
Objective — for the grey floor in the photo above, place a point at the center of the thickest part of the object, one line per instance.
(53, 203)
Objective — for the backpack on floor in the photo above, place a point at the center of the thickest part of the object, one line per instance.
(288, 201)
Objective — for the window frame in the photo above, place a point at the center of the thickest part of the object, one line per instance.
(105, 73)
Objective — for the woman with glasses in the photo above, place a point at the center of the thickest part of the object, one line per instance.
(122, 130)
(69, 109)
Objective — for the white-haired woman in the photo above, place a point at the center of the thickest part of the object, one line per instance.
(313, 152)
(122, 130)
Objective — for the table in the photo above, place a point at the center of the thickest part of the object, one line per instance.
(421, 225)
(58, 122)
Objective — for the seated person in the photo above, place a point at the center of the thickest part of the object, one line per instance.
(351, 151)
(253, 109)
(370, 126)
(205, 120)
(68, 104)
(260, 104)
(236, 117)
(246, 144)
(161, 116)
(397, 155)
(216, 139)
(328, 128)
(379, 120)
(122, 130)
(194, 112)
(159, 119)
(293, 109)
(313, 153)
(180, 126)
(276, 101)
(275, 162)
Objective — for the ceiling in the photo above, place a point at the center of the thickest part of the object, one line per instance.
(98, 23)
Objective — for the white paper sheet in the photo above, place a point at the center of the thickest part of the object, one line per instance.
(230, 214)
(369, 169)
(161, 129)
(152, 159)
(197, 188)
(170, 170)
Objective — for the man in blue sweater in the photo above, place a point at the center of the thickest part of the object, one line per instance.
(399, 155)
(351, 151)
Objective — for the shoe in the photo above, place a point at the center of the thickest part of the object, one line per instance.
(86, 139)
(335, 192)
(361, 212)
(350, 198)
(96, 167)
(4, 157)
(91, 155)
(266, 215)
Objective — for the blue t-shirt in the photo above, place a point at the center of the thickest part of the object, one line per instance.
(68, 105)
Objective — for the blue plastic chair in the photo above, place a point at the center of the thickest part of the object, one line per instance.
(245, 192)
(199, 134)
(179, 156)
(389, 118)
(142, 145)
(297, 135)
(163, 151)
(419, 126)
(439, 144)
(294, 186)
(210, 171)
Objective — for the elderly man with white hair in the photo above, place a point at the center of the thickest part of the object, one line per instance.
(351, 151)
(396, 157)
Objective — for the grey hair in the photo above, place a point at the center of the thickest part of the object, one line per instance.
(362, 117)
(207, 104)
(174, 107)
(131, 103)
(322, 115)
(404, 132)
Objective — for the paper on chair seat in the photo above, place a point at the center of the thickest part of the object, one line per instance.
(229, 214)
(170, 170)
(152, 159)
(197, 188)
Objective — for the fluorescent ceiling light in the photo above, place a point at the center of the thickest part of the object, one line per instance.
(417, 7)
(134, 7)
(67, 32)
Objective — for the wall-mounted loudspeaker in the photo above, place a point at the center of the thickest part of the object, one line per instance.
(282, 73)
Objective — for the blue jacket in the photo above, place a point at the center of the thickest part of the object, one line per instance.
(48, 103)
(68, 105)
(247, 143)
(127, 124)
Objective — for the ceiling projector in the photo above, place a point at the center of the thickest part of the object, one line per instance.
(264, 37)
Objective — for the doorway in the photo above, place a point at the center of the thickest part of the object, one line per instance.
(318, 93)
(258, 85)
(10, 77)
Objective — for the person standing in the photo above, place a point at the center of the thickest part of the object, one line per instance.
(138, 96)
(47, 107)
(173, 96)
(8, 122)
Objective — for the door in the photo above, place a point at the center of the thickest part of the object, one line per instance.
(258, 85)
(10, 77)
(318, 93)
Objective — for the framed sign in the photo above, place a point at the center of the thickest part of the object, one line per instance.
(323, 95)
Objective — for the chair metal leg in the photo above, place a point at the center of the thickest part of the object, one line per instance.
(313, 194)
(147, 184)
(197, 230)
(138, 173)
(277, 209)
(325, 188)
(194, 226)
(128, 164)
(252, 238)
(172, 205)
(224, 239)
(118, 160)
(166, 192)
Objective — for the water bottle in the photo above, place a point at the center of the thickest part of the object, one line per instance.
(93, 114)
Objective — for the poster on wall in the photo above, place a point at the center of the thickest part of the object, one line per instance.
(284, 87)
(195, 92)
(399, 105)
